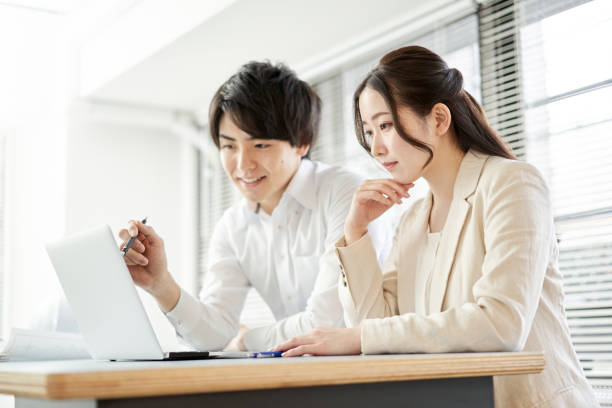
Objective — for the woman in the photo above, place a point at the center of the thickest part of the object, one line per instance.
(474, 264)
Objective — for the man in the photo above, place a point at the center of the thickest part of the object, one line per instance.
(279, 239)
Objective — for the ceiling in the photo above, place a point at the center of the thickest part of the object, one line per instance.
(184, 74)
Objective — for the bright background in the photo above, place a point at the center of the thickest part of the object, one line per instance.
(103, 119)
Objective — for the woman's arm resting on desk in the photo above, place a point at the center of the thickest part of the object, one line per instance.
(518, 235)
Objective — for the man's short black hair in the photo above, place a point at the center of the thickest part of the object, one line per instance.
(268, 102)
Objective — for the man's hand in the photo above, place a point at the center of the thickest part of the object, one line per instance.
(148, 265)
(237, 343)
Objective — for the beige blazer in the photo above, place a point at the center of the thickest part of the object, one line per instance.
(495, 284)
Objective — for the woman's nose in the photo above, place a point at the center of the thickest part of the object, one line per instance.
(377, 147)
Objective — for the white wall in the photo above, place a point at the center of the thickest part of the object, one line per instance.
(117, 172)
(69, 170)
(33, 78)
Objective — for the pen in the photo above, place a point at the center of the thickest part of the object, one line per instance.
(268, 354)
(245, 354)
(130, 241)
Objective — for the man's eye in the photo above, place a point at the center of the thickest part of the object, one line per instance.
(262, 145)
(228, 147)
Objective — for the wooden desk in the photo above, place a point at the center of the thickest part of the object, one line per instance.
(419, 380)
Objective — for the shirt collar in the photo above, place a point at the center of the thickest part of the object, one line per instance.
(302, 186)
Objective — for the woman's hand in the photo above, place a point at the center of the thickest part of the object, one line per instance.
(323, 342)
(371, 200)
(147, 263)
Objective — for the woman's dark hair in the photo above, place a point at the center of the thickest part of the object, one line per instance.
(268, 102)
(417, 78)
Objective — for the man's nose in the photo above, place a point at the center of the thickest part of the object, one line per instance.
(245, 161)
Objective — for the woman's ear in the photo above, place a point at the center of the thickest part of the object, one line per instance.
(441, 116)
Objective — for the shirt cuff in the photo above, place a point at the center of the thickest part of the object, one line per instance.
(184, 316)
(351, 257)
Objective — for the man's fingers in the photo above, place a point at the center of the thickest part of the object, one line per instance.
(124, 234)
(144, 233)
(134, 258)
(148, 232)
(137, 245)
(133, 228)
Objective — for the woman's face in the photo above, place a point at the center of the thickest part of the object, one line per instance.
(404, 161)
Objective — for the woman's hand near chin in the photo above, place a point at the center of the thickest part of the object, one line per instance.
(323, 342)
(370, 201)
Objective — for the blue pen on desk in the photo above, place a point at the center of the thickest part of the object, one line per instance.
(268, 354)
(127, 246)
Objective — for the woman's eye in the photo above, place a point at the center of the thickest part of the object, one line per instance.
(227, 147)
(262, 145)
(367, 133)
(384, 126)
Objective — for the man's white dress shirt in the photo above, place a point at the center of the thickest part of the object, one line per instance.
(287, 256)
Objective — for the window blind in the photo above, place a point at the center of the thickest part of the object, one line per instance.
(500, 77)
(547, 72)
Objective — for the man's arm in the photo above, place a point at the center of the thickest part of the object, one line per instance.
(210, 323)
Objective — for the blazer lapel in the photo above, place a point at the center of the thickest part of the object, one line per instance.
(465, 186)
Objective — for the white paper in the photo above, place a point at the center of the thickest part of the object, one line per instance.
(31, 345)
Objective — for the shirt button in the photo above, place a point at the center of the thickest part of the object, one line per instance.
(344, 282)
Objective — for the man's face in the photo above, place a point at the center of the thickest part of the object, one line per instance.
(260, 168)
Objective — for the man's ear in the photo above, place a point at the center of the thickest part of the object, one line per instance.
(442, 118)
(302, 150)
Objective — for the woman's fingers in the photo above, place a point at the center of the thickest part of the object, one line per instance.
(310, 349)
(292, 343)
(383, 189)
(376, 196)
(297, 346)
(396, 185)
(387, 187)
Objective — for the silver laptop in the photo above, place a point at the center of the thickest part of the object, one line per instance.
(105, 303)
